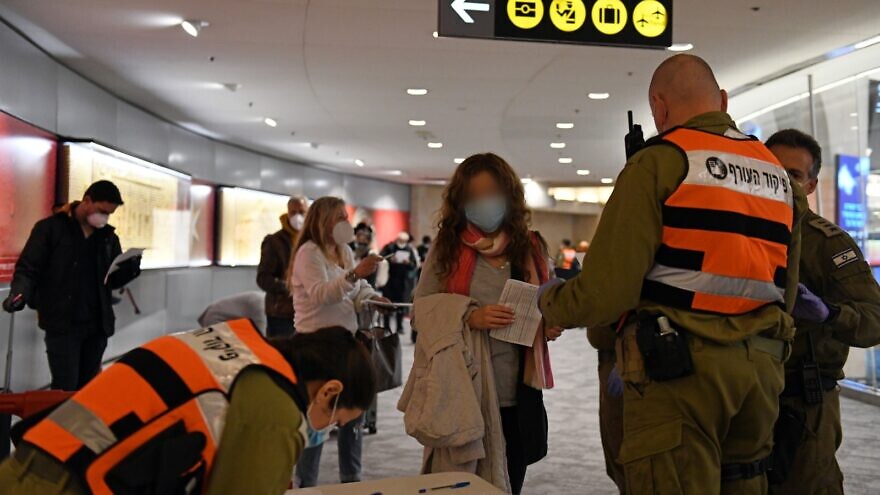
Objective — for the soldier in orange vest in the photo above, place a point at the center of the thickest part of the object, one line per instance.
(218, 410)
(699, 245)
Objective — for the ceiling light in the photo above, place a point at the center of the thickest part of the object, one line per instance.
(565, 160)
(270, 122)
(854, 114)
(393, 172)
(680, 47)
(458, 161)
(417, 91)
(435, 34)
(193, 26)
(557, 146)
(417, 123)
(599, 96)
(866, 43)
(358, 162)
(583, 172)
(607, 180)
(564, 125)
(526, 180)
(435, 145)
(854, 128)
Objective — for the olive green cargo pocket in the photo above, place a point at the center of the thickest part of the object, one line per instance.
(653, 459)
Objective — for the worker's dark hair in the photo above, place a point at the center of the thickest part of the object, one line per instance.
(332, 354)
(794, 138)
(104, 190)
(426, 239)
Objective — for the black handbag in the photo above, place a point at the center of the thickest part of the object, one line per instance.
(384, 347)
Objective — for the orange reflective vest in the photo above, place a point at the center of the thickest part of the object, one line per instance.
(568, 257)
(117, 432)
(726, 228)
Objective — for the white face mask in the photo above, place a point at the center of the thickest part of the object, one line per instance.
(296, 221)
(98, 220)
(342, 233)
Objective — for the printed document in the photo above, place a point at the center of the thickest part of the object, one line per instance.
(127, 255)
(523, 299)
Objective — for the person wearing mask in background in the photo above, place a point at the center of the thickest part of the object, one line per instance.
(328, 288)
(272, 273)
(483, 242)
(838, 306)
(423, 248)
(583, 247)
(219, 411)
(362, 246)
(62, 273)
(403, 262)
(704, 264)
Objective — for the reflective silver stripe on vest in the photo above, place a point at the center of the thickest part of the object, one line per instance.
(739, 173)
(221, 351)
(84, 425)
(213, 406)
(719, 285)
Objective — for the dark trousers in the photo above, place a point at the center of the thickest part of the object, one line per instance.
(75, 355)
(279, 327)
(516, 461)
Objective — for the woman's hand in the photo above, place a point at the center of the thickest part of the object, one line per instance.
(367, 266)
(553, 333)
(491, 317)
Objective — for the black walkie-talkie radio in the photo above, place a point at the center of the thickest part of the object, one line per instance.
(634, 140)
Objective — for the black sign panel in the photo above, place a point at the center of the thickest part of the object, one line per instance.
(633, 23)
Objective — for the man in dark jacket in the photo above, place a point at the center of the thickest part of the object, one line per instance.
(61, 273)
(403, 262)
(272, 271)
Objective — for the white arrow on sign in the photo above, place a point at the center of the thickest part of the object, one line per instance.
(461, 8)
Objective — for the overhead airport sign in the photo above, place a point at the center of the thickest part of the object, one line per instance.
(634, 23)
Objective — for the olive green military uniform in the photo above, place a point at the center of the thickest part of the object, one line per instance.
(678, 433)
(610, 407)
(258, 449)
(833, 268)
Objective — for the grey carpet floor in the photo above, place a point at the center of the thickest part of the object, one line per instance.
(575, 464)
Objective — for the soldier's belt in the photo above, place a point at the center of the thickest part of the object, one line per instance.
(776, 348)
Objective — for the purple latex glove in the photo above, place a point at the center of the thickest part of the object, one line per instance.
(810, 307)
(615, 383)
(546, 285)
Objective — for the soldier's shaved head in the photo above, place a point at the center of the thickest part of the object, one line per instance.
(683, 87)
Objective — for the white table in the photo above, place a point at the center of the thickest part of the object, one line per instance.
(407, 486)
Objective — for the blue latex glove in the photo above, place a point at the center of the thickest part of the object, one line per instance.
(615, 383)
(810, 307)
(546, 285)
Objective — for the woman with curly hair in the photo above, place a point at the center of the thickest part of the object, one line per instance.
(483, 241)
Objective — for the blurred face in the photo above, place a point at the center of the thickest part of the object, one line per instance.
(798, 163)
(297, 207)
(102, 207)
(482, 186)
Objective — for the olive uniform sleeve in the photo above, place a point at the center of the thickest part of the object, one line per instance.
(623, 248)
(801, 207)
(850, 288)
(260, 443)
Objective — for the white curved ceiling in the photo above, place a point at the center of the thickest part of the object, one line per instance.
(334, 72)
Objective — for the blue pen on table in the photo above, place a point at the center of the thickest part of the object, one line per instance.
(460, 484)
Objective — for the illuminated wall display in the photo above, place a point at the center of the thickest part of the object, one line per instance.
(156, 214)
(633, 23)
(202, 200)
(246, 217)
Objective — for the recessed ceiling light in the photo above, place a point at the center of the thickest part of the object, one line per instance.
(680, 47)
(598, 96)
(417, 123)
(526, 180)
(565, 125)
(565, 160)
(854, 128)
(583, 172)
(270, 122)
(866, 43)
(394, 172)
(854, 114)
(435, 34)
(194, 26)
(359, 162)
(607, 180)
(557, 146)
(435, 145)
(458, 161)
(417, 91)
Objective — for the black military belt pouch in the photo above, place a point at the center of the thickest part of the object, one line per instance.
(665, 352)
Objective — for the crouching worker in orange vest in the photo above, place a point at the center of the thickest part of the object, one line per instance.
(218, 410)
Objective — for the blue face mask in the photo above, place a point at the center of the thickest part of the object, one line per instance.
(313, 436)
(487, 213)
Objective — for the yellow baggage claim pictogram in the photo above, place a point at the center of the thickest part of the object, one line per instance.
(525, 14)
(649, 18)
(568, 15)
(609, 16)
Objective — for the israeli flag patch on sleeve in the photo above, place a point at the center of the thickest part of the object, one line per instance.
(845, 258)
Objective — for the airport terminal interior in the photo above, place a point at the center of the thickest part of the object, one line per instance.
(583, 247)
